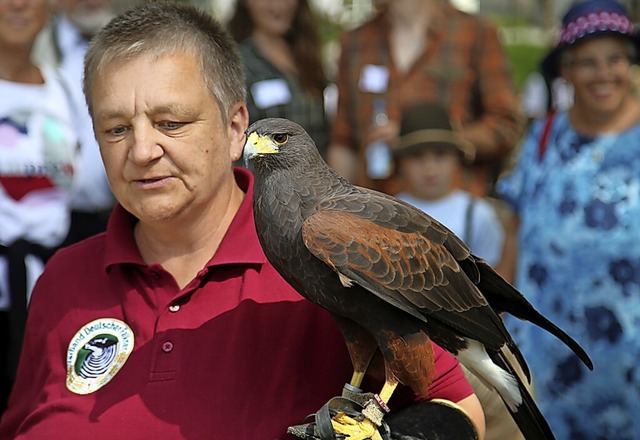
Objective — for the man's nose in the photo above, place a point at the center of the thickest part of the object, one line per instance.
(145, 145)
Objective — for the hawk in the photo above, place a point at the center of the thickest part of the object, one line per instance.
(393, 278)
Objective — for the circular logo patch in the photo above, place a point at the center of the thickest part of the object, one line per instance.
(96, 353)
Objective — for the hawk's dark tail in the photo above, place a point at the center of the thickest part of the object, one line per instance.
(527, 416)
(503, 297)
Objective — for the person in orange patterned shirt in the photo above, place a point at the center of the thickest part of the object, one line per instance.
(425, 50)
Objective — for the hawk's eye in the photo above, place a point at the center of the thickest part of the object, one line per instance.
(280, 138)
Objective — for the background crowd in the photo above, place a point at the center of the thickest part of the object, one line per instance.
(421, 103)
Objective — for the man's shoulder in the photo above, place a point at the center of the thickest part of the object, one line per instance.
(83, 254)
(72, 279)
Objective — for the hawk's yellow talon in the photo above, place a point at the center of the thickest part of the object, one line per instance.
(355, 429)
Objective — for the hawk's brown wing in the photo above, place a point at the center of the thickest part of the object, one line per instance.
(403, 267)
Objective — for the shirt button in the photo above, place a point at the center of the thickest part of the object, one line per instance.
(167, 346)
(174, 307)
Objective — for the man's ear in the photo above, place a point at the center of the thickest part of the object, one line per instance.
(238, 124)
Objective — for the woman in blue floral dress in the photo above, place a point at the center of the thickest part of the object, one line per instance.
(576, 194)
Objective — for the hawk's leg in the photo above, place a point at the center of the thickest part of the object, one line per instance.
(374, 409)
(366, 420)
(361, 346)
(356, 379)
(387, 390)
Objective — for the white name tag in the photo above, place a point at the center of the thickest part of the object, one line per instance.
(270, 92)
(374, 79)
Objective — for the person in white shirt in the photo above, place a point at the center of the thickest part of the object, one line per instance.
(62, 44)
(38, 145)
(429, 155)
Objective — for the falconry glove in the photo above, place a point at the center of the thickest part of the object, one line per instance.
(347, 417)
(434, 419)
(355, 415)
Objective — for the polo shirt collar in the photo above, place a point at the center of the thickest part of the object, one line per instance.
(247, 249)
(240, 244)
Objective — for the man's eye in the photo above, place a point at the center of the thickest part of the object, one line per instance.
(280, 138)
(117, 131)
(170, 125)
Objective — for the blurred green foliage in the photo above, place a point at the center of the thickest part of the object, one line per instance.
(507, 20)
(524, 59)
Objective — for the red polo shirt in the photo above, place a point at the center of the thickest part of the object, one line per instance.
(235, 354)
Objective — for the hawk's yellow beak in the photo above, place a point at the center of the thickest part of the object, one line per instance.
(257, 145)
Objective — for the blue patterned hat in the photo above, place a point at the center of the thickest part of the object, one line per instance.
(587, 19)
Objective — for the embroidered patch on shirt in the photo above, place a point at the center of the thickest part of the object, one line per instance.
(96, 353)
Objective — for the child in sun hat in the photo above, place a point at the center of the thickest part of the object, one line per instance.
(429, 156)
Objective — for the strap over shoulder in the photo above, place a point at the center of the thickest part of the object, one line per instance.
(544, 137)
